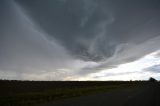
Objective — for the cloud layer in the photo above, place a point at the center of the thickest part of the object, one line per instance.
(55, 40)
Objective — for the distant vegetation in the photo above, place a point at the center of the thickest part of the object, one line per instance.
(21, 93)
(152, 79)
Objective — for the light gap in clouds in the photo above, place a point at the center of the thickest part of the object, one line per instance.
(129, 71)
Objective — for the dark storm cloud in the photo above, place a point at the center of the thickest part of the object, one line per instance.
(24, 47)
(81, 35)
(92, 29)
(76, 24)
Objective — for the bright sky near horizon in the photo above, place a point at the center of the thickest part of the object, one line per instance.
(141, 69)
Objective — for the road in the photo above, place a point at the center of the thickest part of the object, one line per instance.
(146, 95)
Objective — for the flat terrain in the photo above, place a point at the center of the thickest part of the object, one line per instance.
(79, 93)
(144, 95)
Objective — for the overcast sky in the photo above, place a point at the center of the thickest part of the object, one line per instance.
(79, 39)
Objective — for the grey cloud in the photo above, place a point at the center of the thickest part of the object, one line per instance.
(82, 26)
(157, 54)
(124, 53)
(53, 34)
(75, 24)
(153, 69)
(25, 48)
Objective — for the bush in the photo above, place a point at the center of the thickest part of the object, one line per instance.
(152, 79)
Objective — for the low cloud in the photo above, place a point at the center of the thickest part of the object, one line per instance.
(153, 69)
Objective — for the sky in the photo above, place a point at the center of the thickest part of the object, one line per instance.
(79, 39)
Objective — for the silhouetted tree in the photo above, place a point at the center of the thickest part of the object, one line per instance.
(151, 79)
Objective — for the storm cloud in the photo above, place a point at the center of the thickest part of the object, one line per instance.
(64, 38)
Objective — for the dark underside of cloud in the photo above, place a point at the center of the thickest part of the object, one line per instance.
(92, 29)
(80, 35)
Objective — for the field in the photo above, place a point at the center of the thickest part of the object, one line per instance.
(24, 93)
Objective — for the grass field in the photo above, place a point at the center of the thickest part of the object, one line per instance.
(24, 93)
